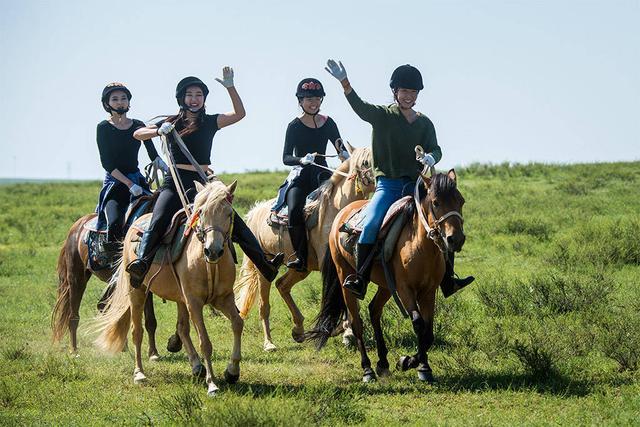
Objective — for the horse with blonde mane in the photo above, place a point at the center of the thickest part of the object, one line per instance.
(353, 180)
(417, 264)
(203, 275)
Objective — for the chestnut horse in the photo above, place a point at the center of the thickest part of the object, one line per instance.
(203, 275)
(418, 266)
(73, 274)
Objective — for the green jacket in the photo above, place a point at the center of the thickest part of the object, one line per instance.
(393, 139)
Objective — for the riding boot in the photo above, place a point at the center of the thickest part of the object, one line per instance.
(138, 268)
(298, 235)
(357, 284)
(105, 296)
(450, 283)
(243, 236)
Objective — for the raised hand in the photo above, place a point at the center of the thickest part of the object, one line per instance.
(336, 69)
(227, 77)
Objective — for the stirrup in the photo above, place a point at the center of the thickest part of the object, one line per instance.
(137, 270)
(297, 264)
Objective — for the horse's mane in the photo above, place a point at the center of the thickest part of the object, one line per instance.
(358, 158)
(442, 185)
(212, 193)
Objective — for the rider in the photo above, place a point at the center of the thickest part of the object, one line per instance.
(397, 129)
(197, 130)
(307, 137)
(119, 157)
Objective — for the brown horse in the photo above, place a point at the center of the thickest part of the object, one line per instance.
(73, 274)
(418, 266)
(203, 275)
(353, 180)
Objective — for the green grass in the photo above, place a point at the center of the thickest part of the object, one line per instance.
(548, 334)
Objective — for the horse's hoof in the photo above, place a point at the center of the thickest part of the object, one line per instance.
(212, 390)
(403, 363)
(199, 371)
(369, 376)
(297, 336)
(174, 344)
(231, 378)
(383, 372)
(426, 376)
(139, 378)
(269, 346)
(154, 357)
(348, 339)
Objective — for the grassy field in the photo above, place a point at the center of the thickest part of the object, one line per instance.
(548, 334)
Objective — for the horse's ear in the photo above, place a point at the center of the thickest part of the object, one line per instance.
(231, 188)
(426, 180)
(452, 174)
(199, 187)
(348, 146)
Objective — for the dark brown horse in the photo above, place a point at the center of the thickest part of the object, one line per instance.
(73, 275)
(418, 266)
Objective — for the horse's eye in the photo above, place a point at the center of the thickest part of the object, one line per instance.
(436, 203)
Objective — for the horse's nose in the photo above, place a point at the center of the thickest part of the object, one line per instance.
(207, 253)
(455, 241)
(220, 253)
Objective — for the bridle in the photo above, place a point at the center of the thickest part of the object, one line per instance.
(201, 231)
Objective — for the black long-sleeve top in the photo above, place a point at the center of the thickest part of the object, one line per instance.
(300, 140)
(198, 143)
(119, 149)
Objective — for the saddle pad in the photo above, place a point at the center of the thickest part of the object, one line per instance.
(173, 241)
(354, 222)
(281, 216)
(98, 257)
(92, 226)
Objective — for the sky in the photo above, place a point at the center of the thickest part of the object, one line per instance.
(553, 81)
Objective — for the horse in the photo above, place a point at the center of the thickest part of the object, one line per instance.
(203, 275)
(73, 274)
(353, 180)
(418, 265)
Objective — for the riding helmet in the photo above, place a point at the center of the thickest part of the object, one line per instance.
(406, 77)
(112, 87)
(309, 88)
(183, 84)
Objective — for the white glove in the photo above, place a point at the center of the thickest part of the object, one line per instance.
(136, 190)
(336, 69)
(428, 160)
(162, 165)
(308, 159)
(344, 155)
(165, 128)
(227, 77)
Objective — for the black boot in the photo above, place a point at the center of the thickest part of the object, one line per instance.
(138, 268)
(357, 284)
(450, 283)
(105, 296)
(243, 236)
(298, 235)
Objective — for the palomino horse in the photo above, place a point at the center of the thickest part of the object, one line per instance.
(203, 275)
(352, 181)
(418, 265)
(73, 275)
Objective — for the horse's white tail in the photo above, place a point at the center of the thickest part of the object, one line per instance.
(247, 287)
(114, 322)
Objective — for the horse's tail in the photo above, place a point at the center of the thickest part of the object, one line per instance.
(61, 314)
(247, 287)
(333, 307)
(113, 323)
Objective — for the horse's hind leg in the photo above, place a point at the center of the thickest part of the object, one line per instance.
(284, 284)
(182, 331)
(375, 313)
(78, 279)
(228, 307)
(151, 324)
(136, 298)
(195, 312)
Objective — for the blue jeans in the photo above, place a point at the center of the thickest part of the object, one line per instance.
(388, 190)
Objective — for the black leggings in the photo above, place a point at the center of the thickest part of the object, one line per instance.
(115, 209)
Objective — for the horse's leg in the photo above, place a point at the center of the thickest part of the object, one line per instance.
(78, 284)
(356, 324)
(182, 332)
(151, 324)
(409, 301)
(136, 303)
(228, 308)
(375, 313)
(265, 312)
(195, 312)
(284, 285)
(426, 302)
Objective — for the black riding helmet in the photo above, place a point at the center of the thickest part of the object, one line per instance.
(183, 84)
(112, 87)
(406, 77)
(309, 88)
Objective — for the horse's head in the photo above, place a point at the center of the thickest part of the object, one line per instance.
(359, 165)
(443, 204)
(213, 217)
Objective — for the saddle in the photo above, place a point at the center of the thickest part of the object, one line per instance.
(173, 240)
(394, 221)
(100, 257)
(280, 217)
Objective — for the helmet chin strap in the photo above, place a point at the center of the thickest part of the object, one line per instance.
(119, 111)
(313, 115)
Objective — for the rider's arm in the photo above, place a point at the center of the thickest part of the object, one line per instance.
(367, 112)
(430, 142)
(148, 143)
(289, 143)
(145, 133)
(238, 113)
